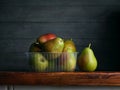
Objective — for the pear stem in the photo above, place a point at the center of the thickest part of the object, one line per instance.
(89, 45)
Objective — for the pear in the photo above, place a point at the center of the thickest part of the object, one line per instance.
(67, 61)
(69, 46)
(38, 62)
(87, 60)
(68, 58)
(55, 47)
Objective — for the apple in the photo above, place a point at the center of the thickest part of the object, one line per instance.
(38, 62)
(46, 37)
(35, 47)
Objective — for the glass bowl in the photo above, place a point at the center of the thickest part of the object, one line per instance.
(52, 62)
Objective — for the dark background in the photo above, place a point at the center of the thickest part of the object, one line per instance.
(85, 21)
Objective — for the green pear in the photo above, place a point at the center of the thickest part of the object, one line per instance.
(68, 57)
(69, 46)
(55, 47)
(87, 60)
(38, 62)
(68, 61)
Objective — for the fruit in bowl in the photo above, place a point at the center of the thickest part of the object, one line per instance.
(52, 53)
(46, 37)
(68, 57)
(69, 46)
(68, 61)
(54, 47)
(35, 47)
(38, 62)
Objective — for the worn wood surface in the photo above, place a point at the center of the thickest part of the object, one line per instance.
(61, 78)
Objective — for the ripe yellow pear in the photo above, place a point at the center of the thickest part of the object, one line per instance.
(87, 60)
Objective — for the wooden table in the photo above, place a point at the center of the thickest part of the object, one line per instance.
(61, 78)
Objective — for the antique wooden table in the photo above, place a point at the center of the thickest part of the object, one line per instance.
(61, 78)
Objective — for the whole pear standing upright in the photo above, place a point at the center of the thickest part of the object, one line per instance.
(87, 60)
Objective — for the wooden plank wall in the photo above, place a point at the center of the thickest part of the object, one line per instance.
(86, 21)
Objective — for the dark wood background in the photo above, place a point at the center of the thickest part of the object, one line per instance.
(85, 21)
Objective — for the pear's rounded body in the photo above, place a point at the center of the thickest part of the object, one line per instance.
(68, 61)
(69, 46)
(55, 45)
(87, 60)
(68, 57)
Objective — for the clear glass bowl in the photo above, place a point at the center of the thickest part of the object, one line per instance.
(52, 62)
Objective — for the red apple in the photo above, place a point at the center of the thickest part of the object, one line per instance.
(46, 37)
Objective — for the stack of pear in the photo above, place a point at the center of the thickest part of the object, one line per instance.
(87, 60)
